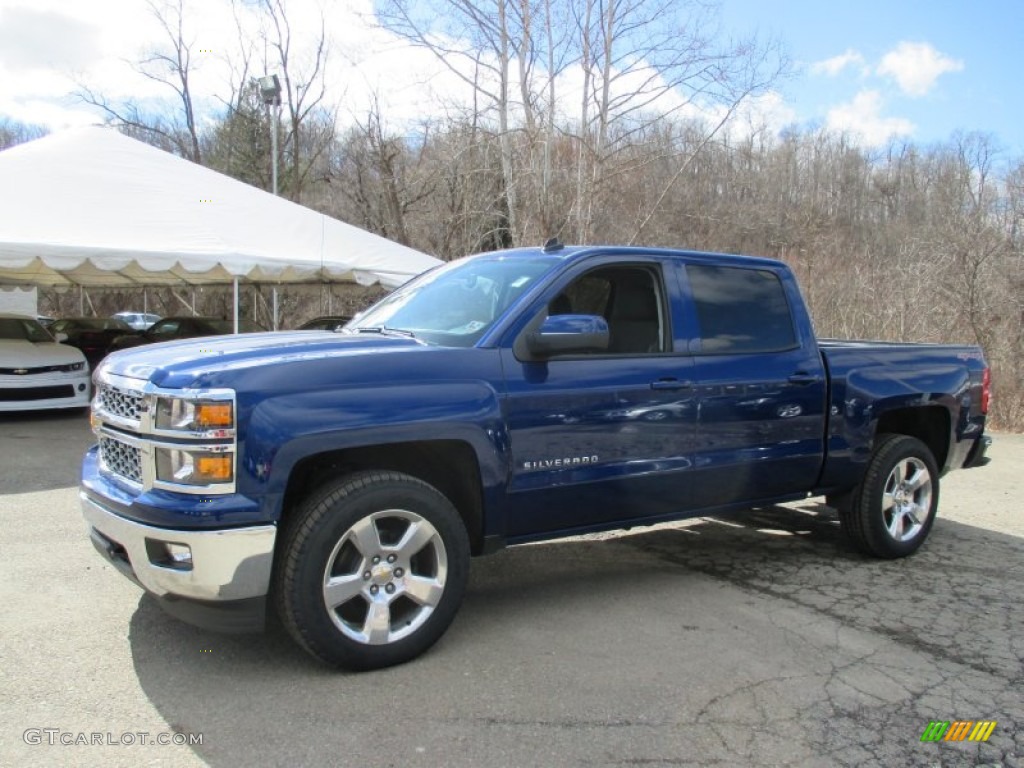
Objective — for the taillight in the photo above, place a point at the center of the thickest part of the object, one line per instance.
(986, 390)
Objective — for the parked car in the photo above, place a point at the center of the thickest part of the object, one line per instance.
(171, 328)
(325, 323)
(137, 321)
(35, 371)
(92, 335)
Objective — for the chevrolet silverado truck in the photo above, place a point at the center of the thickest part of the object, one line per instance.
(344, 479)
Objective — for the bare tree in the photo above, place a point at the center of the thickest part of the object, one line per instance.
(488, 42)
(14, 132)
(171, 66)
(646, 61)
(381, 177)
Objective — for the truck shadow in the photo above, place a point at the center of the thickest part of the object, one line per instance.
(644, 600)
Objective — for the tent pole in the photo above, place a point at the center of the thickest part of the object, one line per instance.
(274, 322)
(236, 305)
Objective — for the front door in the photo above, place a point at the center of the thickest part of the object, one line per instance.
(607, 437)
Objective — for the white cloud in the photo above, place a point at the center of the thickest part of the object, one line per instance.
(916, 67)
(862, 117)
(835, 65)
(31, 40)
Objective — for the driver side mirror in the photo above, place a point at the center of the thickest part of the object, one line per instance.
(568, 334)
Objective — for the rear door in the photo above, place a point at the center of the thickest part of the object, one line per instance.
(760, 385)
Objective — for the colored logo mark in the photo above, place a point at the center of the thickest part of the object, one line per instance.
(958, 730)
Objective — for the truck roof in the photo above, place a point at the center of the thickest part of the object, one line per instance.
(569, 253)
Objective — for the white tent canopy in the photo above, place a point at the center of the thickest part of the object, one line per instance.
(92, 207)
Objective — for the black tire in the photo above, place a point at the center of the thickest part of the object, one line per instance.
(388, 610)
(892, 511)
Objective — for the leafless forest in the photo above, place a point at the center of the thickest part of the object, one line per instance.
(901, 242)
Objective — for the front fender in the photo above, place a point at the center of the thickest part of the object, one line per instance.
(283, 431)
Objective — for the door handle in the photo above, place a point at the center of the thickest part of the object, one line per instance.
(802, 377)
(671, 384)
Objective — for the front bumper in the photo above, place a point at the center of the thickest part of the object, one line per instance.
(227, 573)
(44, 391)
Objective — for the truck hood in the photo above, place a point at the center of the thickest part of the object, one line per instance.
(193, 362)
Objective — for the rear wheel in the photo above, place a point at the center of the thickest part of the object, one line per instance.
(372, 571)
(892, 511)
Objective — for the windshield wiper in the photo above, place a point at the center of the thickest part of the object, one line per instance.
(383, 329)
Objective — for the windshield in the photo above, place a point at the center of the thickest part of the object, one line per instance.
(23, 329)
(456, 304)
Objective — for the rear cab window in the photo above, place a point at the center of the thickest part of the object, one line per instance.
(740, 310)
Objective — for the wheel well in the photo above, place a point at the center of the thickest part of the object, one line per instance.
(450, 466)
(929, 425)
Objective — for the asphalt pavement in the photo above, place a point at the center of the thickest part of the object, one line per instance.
(759, 639)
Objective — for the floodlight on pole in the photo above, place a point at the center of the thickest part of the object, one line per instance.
(270, 90)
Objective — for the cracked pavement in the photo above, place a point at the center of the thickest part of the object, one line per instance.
(757, 639)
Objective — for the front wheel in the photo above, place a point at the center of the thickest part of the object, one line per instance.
(892, 511)
(372, 571)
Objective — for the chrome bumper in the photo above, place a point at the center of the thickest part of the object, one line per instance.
(233, 564)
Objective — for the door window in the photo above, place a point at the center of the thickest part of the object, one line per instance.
(628, 298)
(740, 311)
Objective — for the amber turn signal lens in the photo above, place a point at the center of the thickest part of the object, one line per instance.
(214, 469)
(213, 415)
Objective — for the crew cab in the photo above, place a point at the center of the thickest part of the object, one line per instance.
(345, 479)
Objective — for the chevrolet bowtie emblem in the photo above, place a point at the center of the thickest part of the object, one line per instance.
(20, 371)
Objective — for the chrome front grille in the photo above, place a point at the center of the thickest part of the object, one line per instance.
(123, 403)
(121, 459)
(137, 450)
(32, 371)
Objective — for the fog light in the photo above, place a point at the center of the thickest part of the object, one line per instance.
(180, 554)
(81, 387)
(167, 554)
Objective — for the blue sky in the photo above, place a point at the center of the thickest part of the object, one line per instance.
(979, 88)
(874, 68)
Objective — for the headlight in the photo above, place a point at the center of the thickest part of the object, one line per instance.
(194, 415)
(194, 467)
(71, 367)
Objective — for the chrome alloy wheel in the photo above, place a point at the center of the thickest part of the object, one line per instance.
(385, 577)
(907, 499)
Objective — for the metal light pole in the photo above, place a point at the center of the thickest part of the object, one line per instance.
(270, 90)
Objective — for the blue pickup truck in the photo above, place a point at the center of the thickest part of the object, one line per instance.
(345, 478)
